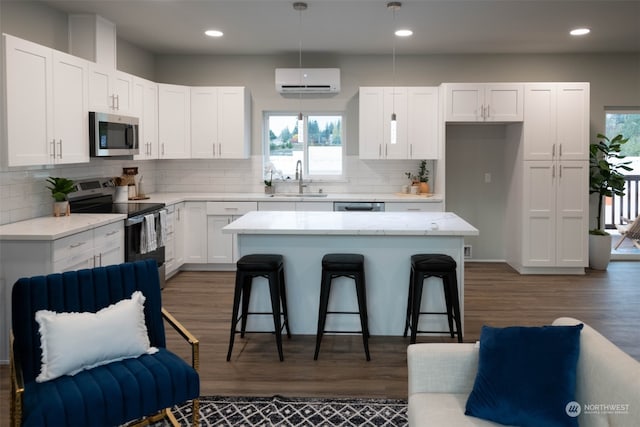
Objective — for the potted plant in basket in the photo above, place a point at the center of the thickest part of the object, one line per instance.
(606, 180)
(60, 187)
(423, 177)
(420, 180)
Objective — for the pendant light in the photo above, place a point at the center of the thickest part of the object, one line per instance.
(393, 126)
(300, 6)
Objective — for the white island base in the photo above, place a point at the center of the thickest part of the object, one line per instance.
(387, 241)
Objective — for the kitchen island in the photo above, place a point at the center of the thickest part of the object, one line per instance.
(386, 239)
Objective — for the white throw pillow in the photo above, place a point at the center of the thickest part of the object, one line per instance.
(72, 342)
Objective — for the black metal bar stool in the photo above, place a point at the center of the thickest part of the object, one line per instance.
(343, 265)
(433, 265)
(249, 267)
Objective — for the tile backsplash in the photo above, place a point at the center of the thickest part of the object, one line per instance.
(23, 193)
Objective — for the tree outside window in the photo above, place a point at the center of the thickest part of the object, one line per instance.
(321, 153)
(627, 123)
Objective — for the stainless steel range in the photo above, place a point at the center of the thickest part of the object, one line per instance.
(95, 195)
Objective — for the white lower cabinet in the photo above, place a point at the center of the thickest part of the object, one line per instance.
(413, 207)
(101, 246)
(555, 214)
(221, 247)
(108, 244)
(195, 232)
(277, 206)
(174, 241)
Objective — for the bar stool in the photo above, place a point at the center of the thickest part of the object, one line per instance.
(433, 265)
(271, 267)
(343, 265)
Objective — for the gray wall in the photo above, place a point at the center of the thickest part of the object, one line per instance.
(472, 151)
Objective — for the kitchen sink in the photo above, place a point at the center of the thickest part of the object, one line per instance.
(305, 195)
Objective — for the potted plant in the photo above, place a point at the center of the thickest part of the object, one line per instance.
(60, 187)
(423, 177)
(268, 184)
(606, 180)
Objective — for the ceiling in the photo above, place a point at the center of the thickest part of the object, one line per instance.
(365, 26)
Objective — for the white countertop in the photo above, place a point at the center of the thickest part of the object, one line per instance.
(172, 198)
(360, 223)
(52, 228)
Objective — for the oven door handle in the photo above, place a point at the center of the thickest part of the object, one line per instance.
(134, 220)
(358, 208)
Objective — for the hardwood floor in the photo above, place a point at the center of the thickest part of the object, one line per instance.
(494, 295)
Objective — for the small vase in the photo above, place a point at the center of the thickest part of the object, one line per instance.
(269, 189)
(424, 187)
(61, 208)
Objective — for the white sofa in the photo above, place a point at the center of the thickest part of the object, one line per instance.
(441, 376)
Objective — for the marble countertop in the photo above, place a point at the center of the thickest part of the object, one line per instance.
(52, 228)
(172, 198)
(354, 223)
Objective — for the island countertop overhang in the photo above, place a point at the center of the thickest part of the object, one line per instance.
(352, 223)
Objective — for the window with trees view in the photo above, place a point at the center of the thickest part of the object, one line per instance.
(321, 151)
(626, 123)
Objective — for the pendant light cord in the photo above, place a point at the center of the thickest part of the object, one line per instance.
(393, 71)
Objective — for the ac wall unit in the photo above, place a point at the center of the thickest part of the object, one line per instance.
(308, 80)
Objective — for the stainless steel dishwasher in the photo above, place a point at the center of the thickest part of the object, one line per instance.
(358, 206)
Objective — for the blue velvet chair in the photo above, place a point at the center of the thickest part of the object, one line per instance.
(133, 389)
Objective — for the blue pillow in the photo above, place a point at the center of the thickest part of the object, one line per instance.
(526, 376)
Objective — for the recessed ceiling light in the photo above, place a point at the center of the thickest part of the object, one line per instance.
(214, 33)
(579, 31)
(404, 33)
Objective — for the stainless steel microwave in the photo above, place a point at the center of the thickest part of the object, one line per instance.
(113, 135)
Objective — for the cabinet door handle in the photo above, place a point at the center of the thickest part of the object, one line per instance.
(53, 144)
(553, 151)
(118, 103)
(379, 150)
(488, 111)
(560, 171)
(163, 149)
(111, 233)
(76, 245)
(386, 151)
(411, 150)
(220, 149)
(60, 154)
(113, 102)
(560, 150)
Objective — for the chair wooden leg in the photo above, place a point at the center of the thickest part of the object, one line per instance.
(624, 236)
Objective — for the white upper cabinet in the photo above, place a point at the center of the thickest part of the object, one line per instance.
(47, 115)
(423, 122)
(556, 124)
(371, 122)
(395, 101)
(110, 90)
(174, 123)
(416, 110)
(145, 104)
(220, 122)
(483, 102)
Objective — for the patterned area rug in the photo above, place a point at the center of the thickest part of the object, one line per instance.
(288, 411)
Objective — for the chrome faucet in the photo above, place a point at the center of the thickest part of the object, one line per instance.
(299, 176)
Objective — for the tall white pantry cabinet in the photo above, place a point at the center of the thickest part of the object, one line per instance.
(548, 199)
